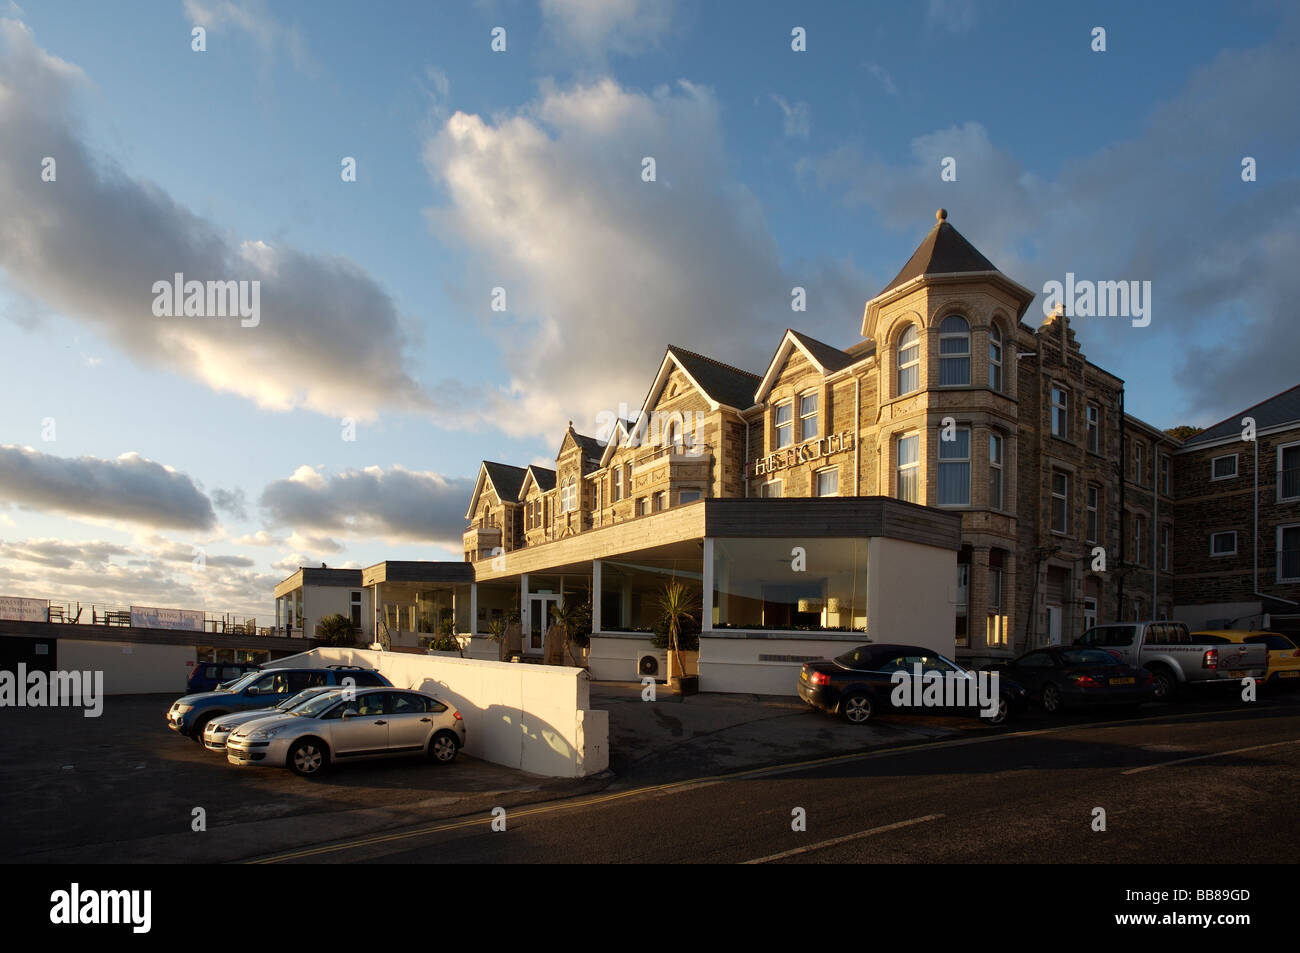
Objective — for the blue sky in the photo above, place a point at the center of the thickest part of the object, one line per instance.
(521, 169)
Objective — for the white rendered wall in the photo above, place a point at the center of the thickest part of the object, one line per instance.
(533, 717)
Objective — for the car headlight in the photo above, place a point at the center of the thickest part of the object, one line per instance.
(215, 728)
(268, 732)
(184, 709)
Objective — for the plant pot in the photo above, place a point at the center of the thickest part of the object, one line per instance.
(686, 685)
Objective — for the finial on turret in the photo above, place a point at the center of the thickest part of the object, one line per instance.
(941, 215)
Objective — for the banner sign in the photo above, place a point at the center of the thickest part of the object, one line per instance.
(143, 617)
(19, 609)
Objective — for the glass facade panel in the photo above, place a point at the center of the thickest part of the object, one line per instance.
(758, 584)
(630, 590)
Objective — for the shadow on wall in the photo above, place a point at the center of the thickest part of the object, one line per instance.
(521, 716)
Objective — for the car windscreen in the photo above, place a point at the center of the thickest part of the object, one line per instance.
(1087, 657)
(1117, 635)
(314, 706)
(239, 684)
(293, 701)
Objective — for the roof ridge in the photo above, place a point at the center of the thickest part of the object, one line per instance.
(713, 360)
(1192, 438)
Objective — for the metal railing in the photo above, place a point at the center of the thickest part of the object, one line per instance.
(119, 616)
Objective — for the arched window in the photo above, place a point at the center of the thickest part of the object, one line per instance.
(569, 498)
(909, 361)
(995, 358)
(954, 351)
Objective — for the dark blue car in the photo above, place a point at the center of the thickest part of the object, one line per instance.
(208, 675)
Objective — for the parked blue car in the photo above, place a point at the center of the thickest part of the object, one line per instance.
(207, 676)
(265, 688)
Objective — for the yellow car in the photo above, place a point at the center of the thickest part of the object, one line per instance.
(1283, 654)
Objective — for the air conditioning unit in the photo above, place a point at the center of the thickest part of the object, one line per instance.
(652, 663)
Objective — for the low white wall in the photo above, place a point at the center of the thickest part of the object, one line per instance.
(533, 717)
(613, 658)
(761, 665)
(130, 667)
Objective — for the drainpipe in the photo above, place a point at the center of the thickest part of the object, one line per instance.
(745, 466)
(857, 433)
(1123, 475)
(1155, 527)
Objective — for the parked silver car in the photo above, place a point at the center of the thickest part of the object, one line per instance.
(376, 722)
(217, 730)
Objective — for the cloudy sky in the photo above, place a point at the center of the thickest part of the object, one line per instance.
(193, 461)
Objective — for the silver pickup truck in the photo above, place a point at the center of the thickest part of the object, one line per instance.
(1176, 659)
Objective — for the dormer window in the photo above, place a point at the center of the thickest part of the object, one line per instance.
(784, 425)
(569, 496)
(808, 416)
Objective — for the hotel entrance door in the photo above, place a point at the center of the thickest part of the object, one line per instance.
(539, 620)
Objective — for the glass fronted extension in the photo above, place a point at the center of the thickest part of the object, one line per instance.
(769, 583)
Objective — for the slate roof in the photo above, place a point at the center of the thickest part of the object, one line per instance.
(544, 477)
(831, 358)
(506, 480)
(1283, 408)
(724, 383)
(943, 251)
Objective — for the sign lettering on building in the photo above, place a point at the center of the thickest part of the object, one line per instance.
(19, 609)
(145, 617)
(806, 452)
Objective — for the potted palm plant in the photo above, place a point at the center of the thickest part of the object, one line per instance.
(576, 618)
(677, 630)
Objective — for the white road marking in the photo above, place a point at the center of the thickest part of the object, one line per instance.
(1204, 757)
(821, 845)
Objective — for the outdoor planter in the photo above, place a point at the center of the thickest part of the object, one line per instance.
(686, 685)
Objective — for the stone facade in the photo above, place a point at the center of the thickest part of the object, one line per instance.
(948, 399)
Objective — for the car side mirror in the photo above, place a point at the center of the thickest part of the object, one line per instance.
(253, 690)
(350, 713)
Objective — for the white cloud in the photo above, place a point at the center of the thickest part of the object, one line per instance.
(549, 203)
(797, 122)
(882, 74)
(1219, 252)
(397, 505)
(597, 27)
(129, 488)
(955, 16)
(253, 18)
(91, 245)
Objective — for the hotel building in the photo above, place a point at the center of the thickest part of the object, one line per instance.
(951, 476)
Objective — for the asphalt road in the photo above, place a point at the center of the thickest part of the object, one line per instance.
(1179, 786)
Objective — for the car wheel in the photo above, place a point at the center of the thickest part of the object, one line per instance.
(1002, 715)
(308, 757)
(1166, 686)
(197, 734)
(857, 708)
(442, 747)
(1052, 700)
